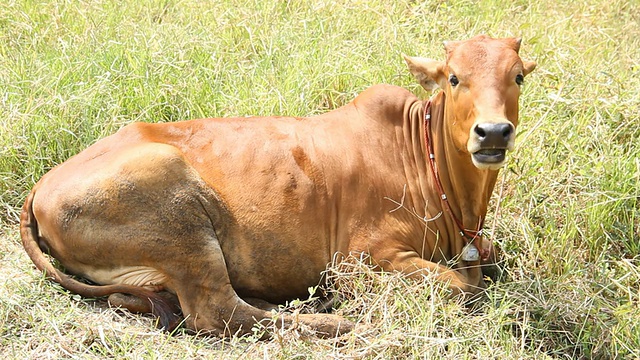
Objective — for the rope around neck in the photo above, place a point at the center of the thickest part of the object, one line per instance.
(470, 236)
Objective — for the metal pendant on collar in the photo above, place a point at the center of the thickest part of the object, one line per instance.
(470, 253)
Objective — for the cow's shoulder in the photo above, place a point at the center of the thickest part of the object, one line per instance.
(384, 102)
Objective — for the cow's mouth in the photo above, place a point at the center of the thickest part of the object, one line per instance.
(490, 156)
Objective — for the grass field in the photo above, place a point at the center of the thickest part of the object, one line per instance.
(566, 210)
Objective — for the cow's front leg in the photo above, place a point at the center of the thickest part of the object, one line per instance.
(466, 281)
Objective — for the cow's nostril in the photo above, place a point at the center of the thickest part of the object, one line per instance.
(507, 130)
(480, 132)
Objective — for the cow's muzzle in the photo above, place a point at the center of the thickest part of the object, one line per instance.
(489, 143)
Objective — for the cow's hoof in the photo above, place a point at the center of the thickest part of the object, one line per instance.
(493, 272)
(327, 325)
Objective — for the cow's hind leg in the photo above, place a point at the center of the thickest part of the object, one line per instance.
(211, 305)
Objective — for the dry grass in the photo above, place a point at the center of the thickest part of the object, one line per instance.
(74, 71)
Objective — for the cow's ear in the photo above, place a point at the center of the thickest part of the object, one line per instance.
(429, 73)
(528, 67)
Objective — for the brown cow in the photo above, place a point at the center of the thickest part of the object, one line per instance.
(227, 212)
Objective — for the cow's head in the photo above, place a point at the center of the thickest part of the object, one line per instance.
(482, 78)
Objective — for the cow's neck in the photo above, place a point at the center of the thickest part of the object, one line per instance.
(467, 188)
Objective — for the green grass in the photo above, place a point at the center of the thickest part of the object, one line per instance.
(568, 218)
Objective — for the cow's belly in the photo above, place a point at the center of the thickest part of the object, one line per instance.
(275, 252)
(276, 269)
(279, 225)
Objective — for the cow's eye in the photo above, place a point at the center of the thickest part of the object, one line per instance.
(519, 79)
(453, 80)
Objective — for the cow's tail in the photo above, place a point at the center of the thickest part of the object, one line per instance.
(162, 308)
